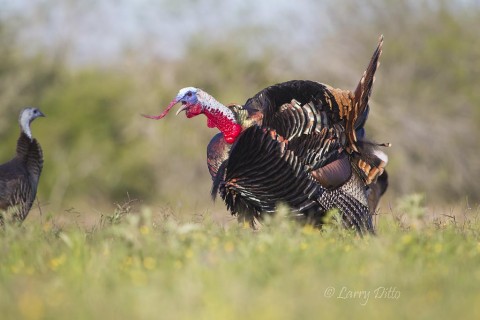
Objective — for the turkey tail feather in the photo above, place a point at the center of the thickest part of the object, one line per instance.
(357, 114)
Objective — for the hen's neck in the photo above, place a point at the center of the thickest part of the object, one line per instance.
(25, 126)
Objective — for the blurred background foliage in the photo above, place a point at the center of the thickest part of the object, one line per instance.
(99, 150)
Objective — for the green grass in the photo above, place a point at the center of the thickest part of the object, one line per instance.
(145, 266)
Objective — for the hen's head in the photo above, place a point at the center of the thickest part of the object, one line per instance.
(26, 117)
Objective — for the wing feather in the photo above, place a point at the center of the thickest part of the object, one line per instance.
(260, 174)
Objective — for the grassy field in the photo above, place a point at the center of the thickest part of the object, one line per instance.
(139, 264)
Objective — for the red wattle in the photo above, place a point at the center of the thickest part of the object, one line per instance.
(231, 135)
(193, 110)
(227, 126)
(210, 123)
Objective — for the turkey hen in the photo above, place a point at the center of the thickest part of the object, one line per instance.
(19, 177)
(300, 143)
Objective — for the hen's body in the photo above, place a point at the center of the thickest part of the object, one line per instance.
(19, 177)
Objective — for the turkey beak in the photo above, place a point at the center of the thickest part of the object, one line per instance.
(41, 114)
(164, 113)
(182, 108)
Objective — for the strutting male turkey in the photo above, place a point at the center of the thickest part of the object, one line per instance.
(300, 143)
(19, 177)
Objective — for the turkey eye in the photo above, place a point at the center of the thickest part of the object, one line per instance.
(189, 94)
